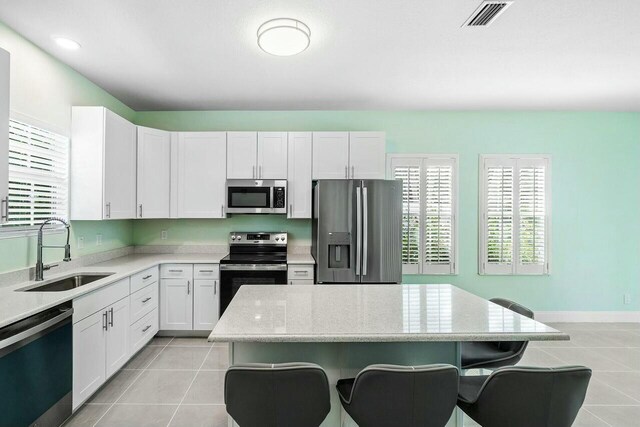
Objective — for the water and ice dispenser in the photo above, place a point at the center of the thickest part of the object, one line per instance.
(339, 249)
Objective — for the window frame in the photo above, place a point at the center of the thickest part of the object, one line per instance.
(423, 160)
(9, 232)
(517, 161)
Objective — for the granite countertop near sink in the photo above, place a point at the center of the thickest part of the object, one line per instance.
(16, 305)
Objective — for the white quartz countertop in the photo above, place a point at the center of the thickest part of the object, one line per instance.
(371, 313)
(300, 259)
(16, 305)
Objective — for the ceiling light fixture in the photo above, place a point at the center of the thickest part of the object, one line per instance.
(284, 36)
(67, 43)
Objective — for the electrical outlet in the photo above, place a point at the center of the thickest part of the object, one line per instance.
(164, 234)
(80, 242)
(627, 299)
(98, 239)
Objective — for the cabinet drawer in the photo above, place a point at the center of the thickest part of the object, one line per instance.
(88, 304)
(298, 272)
(143, 330)
(206, 271)
(143, 279)
(143, 301)
(176, 271)
(301, 282)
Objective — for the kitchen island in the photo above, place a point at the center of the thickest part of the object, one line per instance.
(344, 328)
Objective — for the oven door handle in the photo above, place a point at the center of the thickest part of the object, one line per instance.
(253, 267)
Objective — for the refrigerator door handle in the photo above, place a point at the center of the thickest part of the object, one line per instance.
(365, 230)
(358, 230)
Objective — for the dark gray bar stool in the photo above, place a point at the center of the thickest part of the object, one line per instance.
(492, 355)
(277, 395)
(525, 397)
(408, 396)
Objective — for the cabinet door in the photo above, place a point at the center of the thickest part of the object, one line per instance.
(119, 167)
(272, 155)
(330, 155)
(205, 304)
(176, 304)
(117, 348)
(88, 356)
(367, 155)
(154, 172)
(242, 152)
(202, 174)
(299, 175)
(4, 134)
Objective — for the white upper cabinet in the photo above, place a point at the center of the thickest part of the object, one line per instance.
(103, 165)
(330, 155)
(4, 134)
(272, 155)
(348, 155)
(154, 173)
(201, 174)
(299, 175)
(242, 149)
(367, 155)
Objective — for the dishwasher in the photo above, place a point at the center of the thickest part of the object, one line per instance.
(36, 369)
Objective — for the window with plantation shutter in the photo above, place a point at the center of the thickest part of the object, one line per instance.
(38, 176)
(515, 208)
(428, 211)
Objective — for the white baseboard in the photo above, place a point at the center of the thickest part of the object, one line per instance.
(588, 316)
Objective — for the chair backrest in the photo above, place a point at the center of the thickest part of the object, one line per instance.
(390, 395)
(532, 397)
(516, 346)
(277, 395)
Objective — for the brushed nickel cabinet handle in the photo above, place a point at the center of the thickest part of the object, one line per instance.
(104, 321)
(108, 210)
(111, 321)
(146, 329)
(188, 287)
(146, 300)
(147, 277)
(140, 210)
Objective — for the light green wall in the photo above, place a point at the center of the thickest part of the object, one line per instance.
(596, 192)
(44, 89)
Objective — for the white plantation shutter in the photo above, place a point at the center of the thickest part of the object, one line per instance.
(439, 256)
(409, 173)
(38, 175)
(428, 212)
(514, 198)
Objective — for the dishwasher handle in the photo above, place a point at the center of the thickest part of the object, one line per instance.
(36, 329)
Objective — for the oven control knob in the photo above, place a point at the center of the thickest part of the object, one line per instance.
(233, 237)
(239, 237)
(277, 238)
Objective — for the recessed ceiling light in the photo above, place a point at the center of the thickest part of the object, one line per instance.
(284, 36)
(67, 43)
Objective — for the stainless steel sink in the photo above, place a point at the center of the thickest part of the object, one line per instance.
(68, 283)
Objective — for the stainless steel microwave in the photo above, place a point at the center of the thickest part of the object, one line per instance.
(261, 196)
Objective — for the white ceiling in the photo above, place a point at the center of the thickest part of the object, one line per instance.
(364, 54)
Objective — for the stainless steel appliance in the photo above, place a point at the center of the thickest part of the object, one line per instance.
(36, 365)
(257, 258)
(357, 231)
(261, 196)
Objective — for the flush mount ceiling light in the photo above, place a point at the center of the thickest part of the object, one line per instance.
(284, 36)
(66, 43)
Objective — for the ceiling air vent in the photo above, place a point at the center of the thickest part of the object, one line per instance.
(486, 13)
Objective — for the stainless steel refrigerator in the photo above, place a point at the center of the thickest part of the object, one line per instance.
(357, 231)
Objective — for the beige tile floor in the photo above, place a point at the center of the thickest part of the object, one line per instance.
(179, 381)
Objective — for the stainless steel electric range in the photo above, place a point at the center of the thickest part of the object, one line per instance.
(258, 258)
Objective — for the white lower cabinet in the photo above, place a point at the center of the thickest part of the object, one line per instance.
(300, 274)
(89, 356)
(117, 336)
(143, 330)
(189, 302)
(100, 340)
(205, 304)
(176, 304)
